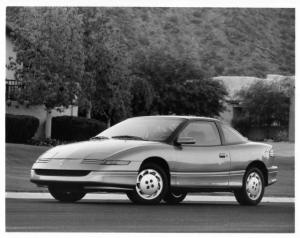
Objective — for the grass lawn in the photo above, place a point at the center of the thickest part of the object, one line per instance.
(20, 158)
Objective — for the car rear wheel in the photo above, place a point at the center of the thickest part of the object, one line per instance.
(174, 197)
(253, 188)
(151, 185)
(64, 194)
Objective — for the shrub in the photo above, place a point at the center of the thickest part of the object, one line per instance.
(20, 128)
(242, 124)
(281, 135)
(45, 142)
(265, 103)
(67, 128)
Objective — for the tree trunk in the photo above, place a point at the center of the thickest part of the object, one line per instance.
(89, 110)
(108, 122)
(292, 117)
(48, 124)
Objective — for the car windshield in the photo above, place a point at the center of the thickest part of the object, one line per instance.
(143, 128)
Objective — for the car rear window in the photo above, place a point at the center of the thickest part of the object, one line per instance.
(231, 136)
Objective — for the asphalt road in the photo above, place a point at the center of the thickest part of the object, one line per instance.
(121, 216)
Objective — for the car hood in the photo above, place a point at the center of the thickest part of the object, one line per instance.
(98, 149)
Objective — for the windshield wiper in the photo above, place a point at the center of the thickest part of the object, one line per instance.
(99, 138)
(128, 137)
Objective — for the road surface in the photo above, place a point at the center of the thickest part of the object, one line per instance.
(91, 215)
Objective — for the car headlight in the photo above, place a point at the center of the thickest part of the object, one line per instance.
(43, 160)
(114, 162)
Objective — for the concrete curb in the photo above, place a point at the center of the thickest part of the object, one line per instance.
(123, 197)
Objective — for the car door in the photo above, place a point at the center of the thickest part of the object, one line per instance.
(205, 163)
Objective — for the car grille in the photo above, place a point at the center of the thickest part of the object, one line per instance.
(54, 172)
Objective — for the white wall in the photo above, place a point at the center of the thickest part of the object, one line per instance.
(9, 53)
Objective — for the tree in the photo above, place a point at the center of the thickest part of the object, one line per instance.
(49, 61)
(111, 101)
(69, 53)
(142, 96)
(105, 85)
(265, 104)
(179, 86)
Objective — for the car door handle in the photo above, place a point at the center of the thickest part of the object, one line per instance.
(222, 155)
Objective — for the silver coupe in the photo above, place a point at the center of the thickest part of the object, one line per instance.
(156, 158)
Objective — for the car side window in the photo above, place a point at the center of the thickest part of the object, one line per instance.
(204, 133)
(231, 136)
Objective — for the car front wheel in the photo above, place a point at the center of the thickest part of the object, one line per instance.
(151, 185)
(253, 188)
(63, 194)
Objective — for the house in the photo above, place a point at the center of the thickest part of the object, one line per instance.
(14, 107)
(234, 84)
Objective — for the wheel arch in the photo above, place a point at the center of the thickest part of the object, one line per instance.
(159, 161)
(260, 165)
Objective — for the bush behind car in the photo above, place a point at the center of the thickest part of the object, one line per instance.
(68, 128)
(20, 128)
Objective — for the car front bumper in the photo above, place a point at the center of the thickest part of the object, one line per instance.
(113, 179)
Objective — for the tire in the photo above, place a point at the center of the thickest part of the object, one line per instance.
(253, 188)
(174, 197)
(151, 186)
(63, 194)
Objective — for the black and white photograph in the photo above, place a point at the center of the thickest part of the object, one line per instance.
(139, 118)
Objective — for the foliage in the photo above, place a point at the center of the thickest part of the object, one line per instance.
(105, 87)
(112, 98)
(265, 104)
(224, 41)
(45, 142)
(20, 128)
(49, 59)
(179, 85)
(136, 61)
(67, 128)
(242, 124)
(69, 53)
(282, 135)
(142, 96)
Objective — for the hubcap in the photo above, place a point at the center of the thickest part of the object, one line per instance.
(253, 186)
(149, 184)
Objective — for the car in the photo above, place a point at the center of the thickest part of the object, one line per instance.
(155, 158)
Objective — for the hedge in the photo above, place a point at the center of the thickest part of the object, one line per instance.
(68, 128)
(20, 128)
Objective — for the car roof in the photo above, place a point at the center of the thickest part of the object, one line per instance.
(185, 117)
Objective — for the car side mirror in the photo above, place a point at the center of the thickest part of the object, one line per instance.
(185, 141)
